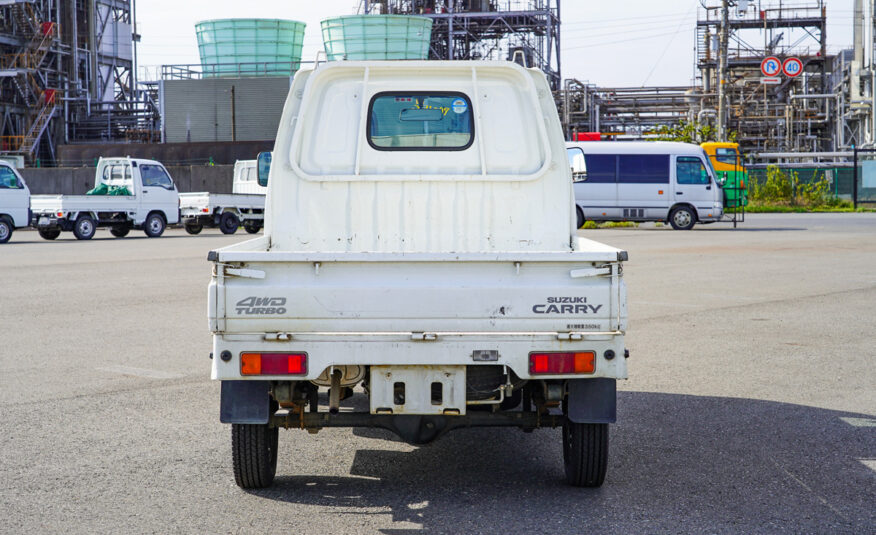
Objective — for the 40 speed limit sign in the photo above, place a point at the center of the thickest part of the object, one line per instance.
(792, 67)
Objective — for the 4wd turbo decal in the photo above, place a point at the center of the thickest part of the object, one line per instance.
(566, 305)
(261, 305)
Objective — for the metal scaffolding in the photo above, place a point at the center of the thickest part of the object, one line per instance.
(67, 74)
(526, 31)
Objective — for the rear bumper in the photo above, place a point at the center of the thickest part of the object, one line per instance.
(399, 349)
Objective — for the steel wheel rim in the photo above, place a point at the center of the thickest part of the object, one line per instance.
(155, 225)
(682, 218)
(4, 231)
(85, 227)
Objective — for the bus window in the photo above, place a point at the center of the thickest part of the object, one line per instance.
(726, 156)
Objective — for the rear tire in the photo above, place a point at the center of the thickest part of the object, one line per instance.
(682, 218)
(252, 227)
(254, 454)
(154, 226)
(585, 453)
(228, 223)
(194, 228)
(580, 214)
(49, 233)
(120, 231)
(84, 227)
(5, 230)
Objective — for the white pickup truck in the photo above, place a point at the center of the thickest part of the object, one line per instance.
(420, 253)
(246, 204)
(128, 193)
(14, 202)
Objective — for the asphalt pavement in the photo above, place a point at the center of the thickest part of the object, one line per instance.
(750, 408)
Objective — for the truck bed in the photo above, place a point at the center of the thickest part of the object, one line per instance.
(401, 300)
(211, 201)
(82, 203)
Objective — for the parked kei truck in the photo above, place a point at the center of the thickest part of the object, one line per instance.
(14, 202)
(128, 193)
(245, 205)
(420, 253)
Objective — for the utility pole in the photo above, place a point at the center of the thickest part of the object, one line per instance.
(722, 69)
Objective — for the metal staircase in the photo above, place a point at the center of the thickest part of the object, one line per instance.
(23, 69)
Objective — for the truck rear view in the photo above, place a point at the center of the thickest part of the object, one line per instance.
(420, 255)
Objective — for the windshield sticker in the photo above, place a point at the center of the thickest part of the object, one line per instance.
(459, 106)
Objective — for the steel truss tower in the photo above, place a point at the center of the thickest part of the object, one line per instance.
(67, 75)
(784, 116)
(526, 31)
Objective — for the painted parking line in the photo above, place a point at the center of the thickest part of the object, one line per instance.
(859, 422)
(869, 463)
(140, 372)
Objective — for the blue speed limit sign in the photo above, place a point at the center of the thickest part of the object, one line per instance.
(792, 67)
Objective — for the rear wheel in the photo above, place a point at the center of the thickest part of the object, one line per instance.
(5, 230)
(580, 214)
(254, 454)
(194, 228)
(84, 228)
(228, 223)
(682, 218)
(120, 231)
(585, 453)
(252, 227)
(154, 226)
(49, 233)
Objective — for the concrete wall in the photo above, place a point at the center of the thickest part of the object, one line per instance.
(78, 180)
(170, 153)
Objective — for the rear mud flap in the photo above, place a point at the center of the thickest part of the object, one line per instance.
(592, 401)
(245, 402)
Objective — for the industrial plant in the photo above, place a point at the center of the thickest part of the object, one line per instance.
(764, 76)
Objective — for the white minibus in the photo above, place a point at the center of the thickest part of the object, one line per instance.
(644, 181)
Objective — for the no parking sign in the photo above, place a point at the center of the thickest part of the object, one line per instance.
(792, 67)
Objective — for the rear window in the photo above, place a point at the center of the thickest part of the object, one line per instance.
(643, 169)
(420, 121)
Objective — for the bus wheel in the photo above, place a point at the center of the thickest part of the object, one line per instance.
(682, 218)
(580, 214)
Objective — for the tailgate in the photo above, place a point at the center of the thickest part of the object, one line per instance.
(361, 293)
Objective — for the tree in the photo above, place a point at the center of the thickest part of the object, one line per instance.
(691, 132)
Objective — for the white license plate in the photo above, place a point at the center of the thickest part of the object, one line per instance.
(44, 221)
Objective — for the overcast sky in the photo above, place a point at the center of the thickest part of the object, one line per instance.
(609, 43)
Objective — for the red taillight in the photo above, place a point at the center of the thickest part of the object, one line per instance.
(273, 363)
(562, 363)
(205, 210)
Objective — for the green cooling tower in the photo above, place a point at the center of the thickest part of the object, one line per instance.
(250, 47)
(363, 37)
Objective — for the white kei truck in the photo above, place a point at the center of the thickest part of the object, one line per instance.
(129, 193)
(419, 253)
(245, 205)
(14, 202)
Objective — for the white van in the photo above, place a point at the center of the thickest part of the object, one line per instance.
(644, 181)
(14, 202)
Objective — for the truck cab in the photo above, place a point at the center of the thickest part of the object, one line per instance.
(419, 256)
(14, 202)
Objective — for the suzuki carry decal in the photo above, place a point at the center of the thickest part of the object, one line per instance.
(566, 305)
